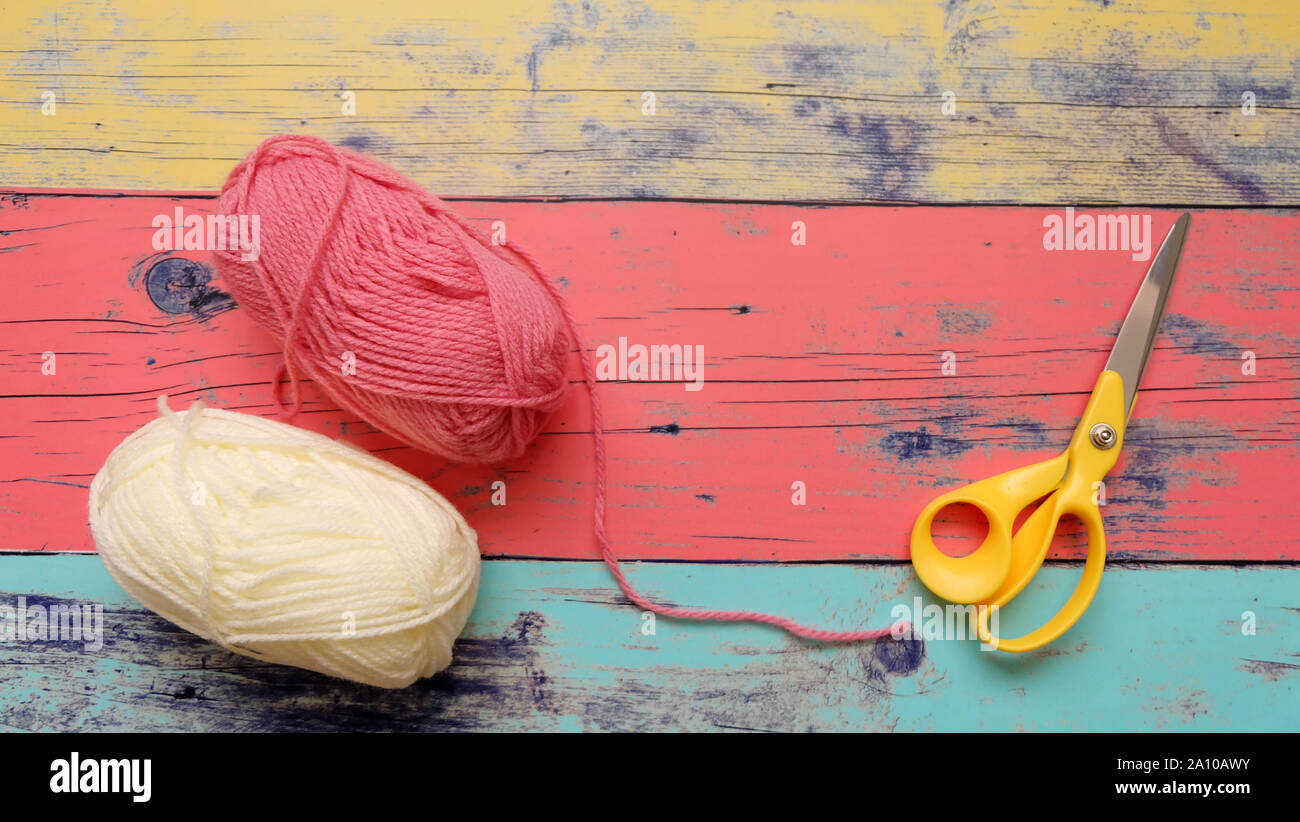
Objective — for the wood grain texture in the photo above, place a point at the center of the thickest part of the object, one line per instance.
(1111, 102)
(822, 366)
(550, 646)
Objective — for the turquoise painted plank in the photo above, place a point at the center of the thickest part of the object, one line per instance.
(550, 647)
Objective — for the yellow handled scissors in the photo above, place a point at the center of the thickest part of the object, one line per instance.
(1003, 564)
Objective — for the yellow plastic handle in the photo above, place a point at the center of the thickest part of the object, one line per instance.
(1000, 568)
(1083, 592)
(979, 575)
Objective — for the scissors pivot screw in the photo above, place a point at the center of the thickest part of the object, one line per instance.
(1102, 435)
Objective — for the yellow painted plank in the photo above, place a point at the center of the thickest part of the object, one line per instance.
(1127, 101)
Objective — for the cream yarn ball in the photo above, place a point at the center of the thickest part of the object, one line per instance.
(284, 545)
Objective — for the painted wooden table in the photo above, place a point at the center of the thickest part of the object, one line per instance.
(659, 158)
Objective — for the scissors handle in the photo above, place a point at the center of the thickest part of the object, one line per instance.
(1038, 538)
(1004, 562)
(977, 576)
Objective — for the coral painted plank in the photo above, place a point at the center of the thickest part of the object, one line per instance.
(1111, 102)
(552, 646)
(822, 365)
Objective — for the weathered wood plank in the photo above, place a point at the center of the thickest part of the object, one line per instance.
(1127, 101)
(550, 646)
(822, 366)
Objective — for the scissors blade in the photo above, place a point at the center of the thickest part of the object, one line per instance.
(1138, 333)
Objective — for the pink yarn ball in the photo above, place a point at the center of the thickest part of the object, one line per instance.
(459, 346)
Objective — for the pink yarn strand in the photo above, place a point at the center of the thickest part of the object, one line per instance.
(602, 538)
